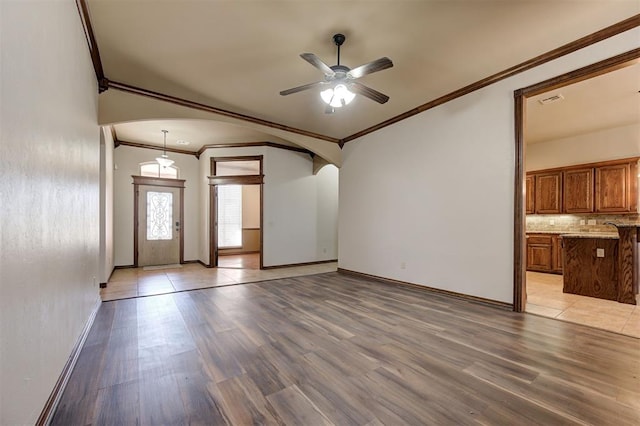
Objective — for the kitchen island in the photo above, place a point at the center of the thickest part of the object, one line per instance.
(602, 265)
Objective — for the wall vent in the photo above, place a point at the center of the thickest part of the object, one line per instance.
(551, 99)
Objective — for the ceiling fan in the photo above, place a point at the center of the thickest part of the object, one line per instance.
(339, 86)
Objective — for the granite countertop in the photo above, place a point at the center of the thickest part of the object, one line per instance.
(577, 234)
(604, 235)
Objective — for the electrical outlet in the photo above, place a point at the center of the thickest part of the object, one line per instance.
(591, 222)
(403, 265)
(552, 222)
(582, 222)
(599, 252)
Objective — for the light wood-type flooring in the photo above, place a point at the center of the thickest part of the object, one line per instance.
(343, 350)
(545, 297)
(240, 261)
(136, 282)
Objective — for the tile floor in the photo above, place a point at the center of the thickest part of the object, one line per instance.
(545, 298)
(240, 261)
(135, 282)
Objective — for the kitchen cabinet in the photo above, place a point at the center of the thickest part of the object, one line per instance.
(544, 253)
(616, 188)
(548, 190)
(605, 187)
(530, 194)
(578, 191)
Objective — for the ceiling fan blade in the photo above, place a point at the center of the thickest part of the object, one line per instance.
(368, 92)
(316, 62)
(301, 88)
(371, 67)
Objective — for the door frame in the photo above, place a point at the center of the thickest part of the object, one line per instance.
(214, 182)
(519, 241)
(160, 182)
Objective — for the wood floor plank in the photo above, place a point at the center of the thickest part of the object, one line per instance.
(344, 350)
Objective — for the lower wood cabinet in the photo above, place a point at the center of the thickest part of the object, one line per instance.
(591, 267)
(544, 253)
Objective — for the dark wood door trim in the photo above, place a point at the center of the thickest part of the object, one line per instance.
(162, 182)
(214, 182)
(520, 95)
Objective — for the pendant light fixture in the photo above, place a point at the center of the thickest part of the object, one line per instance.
(164, 160)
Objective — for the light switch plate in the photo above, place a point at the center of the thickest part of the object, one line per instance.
(599, 252)
(582, 222)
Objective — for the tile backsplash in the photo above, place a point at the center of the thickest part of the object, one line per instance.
(578, 222)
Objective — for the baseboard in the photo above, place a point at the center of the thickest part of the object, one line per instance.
(54, 399)
(235, 253)
(186, 262)
(467, 297)
(290, 265)
(124, 267)
(203, 264)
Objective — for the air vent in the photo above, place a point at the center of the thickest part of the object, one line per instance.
(551, 99)
(181, 142)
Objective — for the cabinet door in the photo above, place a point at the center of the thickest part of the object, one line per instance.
(613, 189)
(557, 253)
(539, 248)
(577, 190)
(548, 189)
(530, 194)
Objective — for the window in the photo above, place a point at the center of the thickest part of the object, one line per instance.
(159, 215)
(235, 167)
(229, 216)
(153, 169)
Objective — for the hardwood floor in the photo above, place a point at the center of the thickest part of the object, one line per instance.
(343, 350)
(545, 297)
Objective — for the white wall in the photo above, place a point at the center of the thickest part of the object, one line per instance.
(294, 199)
(50, 151)
(608, 144)
(436, 191)
(106, 204)
(127, 161)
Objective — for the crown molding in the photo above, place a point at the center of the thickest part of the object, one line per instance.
(581, 43)
(104, 83)
(119, 142)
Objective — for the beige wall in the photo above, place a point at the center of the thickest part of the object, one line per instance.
(607, 144)
(429, 200)
(50, 198)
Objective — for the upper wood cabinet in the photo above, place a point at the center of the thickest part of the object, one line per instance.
(605, 187)
(548, 190)
(578, 191)
(530, 194)
(616, 188)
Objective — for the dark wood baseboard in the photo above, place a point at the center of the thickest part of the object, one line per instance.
(125, 267)
(103, 285)
(319, 262)
(186, 262)
(204, 264)
(52, 403)
(467, 297)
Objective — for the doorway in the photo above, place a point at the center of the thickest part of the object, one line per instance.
(542, 280)
(236, 206)
(158, 226)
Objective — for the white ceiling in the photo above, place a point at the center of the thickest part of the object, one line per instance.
(238, 55)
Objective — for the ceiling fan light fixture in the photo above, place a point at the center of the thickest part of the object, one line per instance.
(337, 96)
(164, 160)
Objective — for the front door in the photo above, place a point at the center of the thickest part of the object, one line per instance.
(159, 225)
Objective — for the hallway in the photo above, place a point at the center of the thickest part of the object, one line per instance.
(136, 282)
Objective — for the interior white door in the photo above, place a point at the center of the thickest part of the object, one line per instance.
(159, 224)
